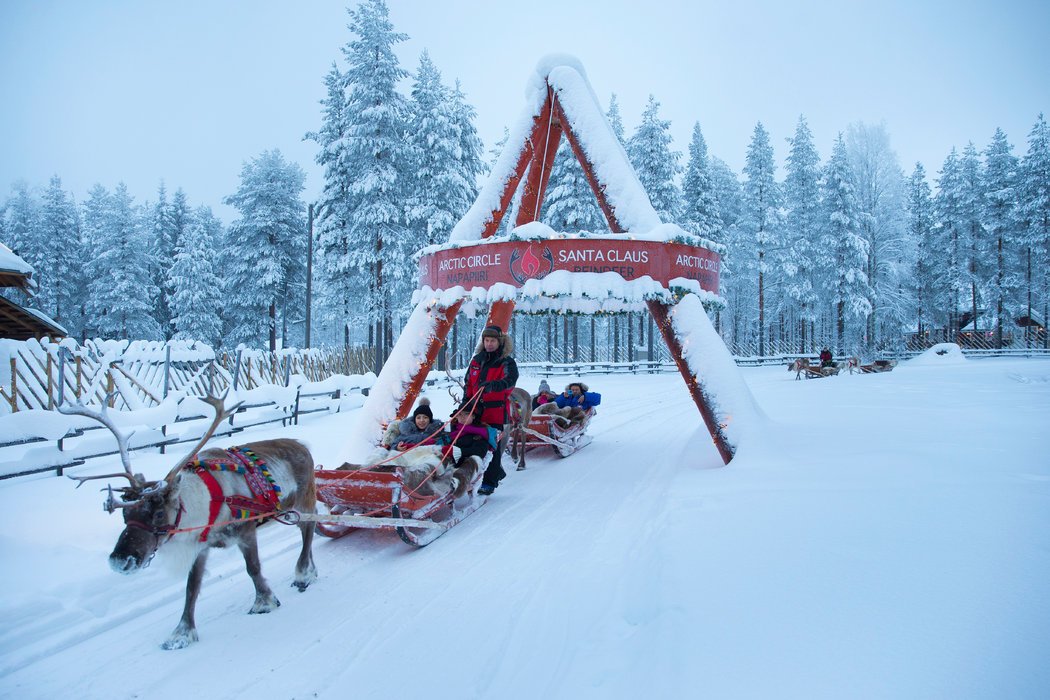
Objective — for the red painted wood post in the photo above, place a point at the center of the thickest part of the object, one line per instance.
(663, 322)
(546, 134)
(444, 323)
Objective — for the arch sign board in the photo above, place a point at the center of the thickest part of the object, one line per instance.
(516, 262)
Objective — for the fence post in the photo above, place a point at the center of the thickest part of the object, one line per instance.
(237, 370)
(14, 386)
(80, 378)
(110, 391)
(167, 370)
(287, 369)
(50, 381)
(62, 377)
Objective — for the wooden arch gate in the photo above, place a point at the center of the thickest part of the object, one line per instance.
(514, 262)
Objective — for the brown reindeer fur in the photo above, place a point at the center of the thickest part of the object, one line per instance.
(564, 417)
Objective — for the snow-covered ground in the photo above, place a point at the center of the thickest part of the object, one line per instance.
(888, 537)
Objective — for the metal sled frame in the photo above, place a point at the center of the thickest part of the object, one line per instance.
(544, 431)
(378, 500)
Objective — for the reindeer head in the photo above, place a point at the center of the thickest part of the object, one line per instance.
(150, 508)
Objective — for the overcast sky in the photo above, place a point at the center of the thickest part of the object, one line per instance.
(105, 91)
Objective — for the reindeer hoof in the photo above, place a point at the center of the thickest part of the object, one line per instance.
(180, 639)
(265, 605)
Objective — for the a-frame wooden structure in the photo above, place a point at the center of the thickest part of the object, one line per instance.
(532, 170)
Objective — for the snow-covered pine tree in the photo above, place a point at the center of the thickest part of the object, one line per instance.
(879, 183)
(60, 274)
(655, 163)
(438, 187)
(1000, 180)
(700, 210)
(848, 290)
(801, 224)
(1035, 220)
(339, 295)
(161, 231)
(734, 287)
(21, 217)
(928, 287)
(197, 297)
(975, 238)
(948, 211)
(762, 214)
(121, 293)
(469, 158)
(371, 245)
(265, 251)
(570, 204)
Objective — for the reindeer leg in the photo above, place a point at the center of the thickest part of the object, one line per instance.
(305, 571)
(185, 633)
(265, 600)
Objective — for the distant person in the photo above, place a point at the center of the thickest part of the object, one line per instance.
(577, 395)
(492, 373)
(825, 358)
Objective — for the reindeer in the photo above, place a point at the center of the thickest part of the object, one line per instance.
(520, 414)
(194, 507)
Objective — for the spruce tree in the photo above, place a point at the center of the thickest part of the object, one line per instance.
(842, 238)
(975, 240)
(700, 210)
(440, 188)
(655, 163)
(121, 293)
(949, 227)
(1035, 221)
(1000, 221)
(927, 289)
(265, 251)
(60, 275)
(733, 286)
(161, 232)
(762, 213)
(367, 245)
(197, 291)
(570, 204)
(879, 185)
(801, 224)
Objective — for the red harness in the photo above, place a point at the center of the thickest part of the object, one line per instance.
(265, 491)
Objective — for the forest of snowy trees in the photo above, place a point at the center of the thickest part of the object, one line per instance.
(846, 249)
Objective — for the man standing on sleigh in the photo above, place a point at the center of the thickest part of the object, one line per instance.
(492, 373)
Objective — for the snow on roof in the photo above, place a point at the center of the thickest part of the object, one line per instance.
(623, 190)
(9, 262)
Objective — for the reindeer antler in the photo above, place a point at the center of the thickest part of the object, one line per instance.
(456, 399)
(221, 414)
(123, 440)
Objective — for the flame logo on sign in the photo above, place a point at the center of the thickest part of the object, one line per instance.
(527, 265)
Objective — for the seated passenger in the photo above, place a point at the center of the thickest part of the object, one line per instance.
(577, 396)
(469, 434)
(420, 428)
(474, 440)
(544, 395)
(825, 358)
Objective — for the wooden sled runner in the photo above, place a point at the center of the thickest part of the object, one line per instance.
(380, 497)
(562, 435)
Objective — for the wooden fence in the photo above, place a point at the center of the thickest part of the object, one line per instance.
(48, 375)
